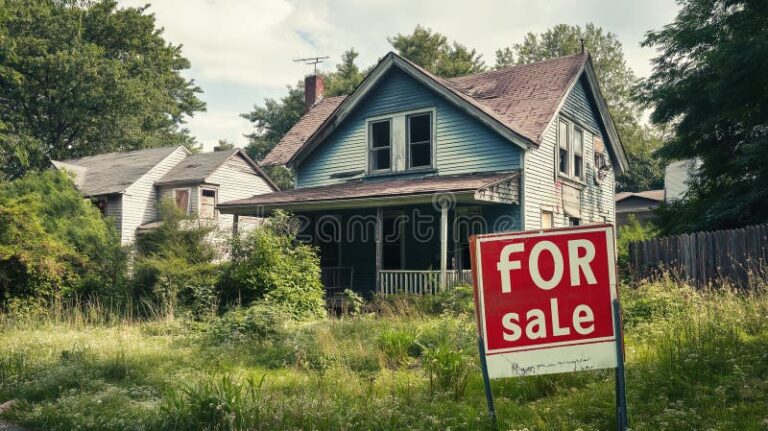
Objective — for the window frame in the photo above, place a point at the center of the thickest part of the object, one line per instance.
(430, 142)
(399, 146)
(189, 198)
(571, 128)
(215, 203)
(371, 150)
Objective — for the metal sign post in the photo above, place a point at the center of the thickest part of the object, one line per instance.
(486, 382)
(622, 422)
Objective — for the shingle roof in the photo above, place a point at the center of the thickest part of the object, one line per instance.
(114, 172)
(522, 98)
(197, 167)
(654, 195)
(369, 188)
(297, 136)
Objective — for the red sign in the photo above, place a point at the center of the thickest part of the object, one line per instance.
(545, 300)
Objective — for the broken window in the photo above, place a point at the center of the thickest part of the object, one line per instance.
(578, 153)
(562, 141)
(380, 145)
(420, 140)
(208, 204)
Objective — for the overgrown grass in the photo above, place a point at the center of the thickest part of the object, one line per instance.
(696, 360)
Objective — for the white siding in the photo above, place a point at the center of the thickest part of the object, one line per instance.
(236, 180)
(544, 193)
(140, 199)
(114, 209)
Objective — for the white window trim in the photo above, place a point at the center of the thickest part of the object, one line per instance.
(399, 141)
(215, 201)
(189, 198)
(570, 174)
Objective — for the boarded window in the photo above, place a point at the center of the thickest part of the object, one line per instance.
(208, 204)
(181, 197)
(420, 141)
(547, 220)
(380, 145)
(562, 140)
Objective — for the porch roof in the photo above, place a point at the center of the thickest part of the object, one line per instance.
(489, 187)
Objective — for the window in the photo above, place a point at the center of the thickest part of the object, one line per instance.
(208, 204)
(419, 141)
(573, 221)
(380, 145)
(181, 198)
(547, 220)
(562, 140)
(578, 153)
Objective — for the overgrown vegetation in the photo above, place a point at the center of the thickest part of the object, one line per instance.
(696, 360)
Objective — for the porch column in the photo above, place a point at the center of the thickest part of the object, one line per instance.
(235, 222)
(378, 240)
(443, 244)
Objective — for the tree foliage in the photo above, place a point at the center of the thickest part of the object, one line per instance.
(617, 83)
(709, 84)
(432, 51)
(80, 77)
(53, 243)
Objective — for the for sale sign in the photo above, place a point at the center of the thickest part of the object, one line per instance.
(544, 300)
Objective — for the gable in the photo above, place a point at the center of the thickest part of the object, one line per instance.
(580, 107)
(462, 143)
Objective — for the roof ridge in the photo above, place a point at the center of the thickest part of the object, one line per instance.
(168, 147)
(517, 66)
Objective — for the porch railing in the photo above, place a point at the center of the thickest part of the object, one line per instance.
(419, 282)
(337, 278)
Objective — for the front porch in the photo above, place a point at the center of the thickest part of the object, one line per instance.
(416, 243)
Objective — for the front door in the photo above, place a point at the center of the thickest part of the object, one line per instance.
(392, 244)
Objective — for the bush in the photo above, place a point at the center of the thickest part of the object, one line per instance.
(632, 231)
(257, 322)
(269, 264)
(175, 264)
(54, 244)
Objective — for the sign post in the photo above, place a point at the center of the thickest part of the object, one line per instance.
(546, 302)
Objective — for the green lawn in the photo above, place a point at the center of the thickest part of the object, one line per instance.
(695, 361)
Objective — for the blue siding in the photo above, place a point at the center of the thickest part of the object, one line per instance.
(580, 107)
(463, 145)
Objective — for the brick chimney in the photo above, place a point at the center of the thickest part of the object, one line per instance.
(314, 87)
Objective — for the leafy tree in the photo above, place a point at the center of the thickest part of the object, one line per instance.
(432, 51)
(709, 84)
(53, 243)
(224, 145)
(616, 83)
(346, 77)
(84, 77)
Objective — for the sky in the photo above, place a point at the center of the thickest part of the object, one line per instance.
(242, 51)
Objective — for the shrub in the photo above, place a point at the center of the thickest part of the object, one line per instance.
(257, 322)
(632, 231)
(54, 244)
(175, 264)
(269, 264)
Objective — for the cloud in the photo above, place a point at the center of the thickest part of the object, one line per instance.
(245, 47)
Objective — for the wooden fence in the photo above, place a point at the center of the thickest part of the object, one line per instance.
(737, 256)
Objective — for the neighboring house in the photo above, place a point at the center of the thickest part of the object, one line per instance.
(639, 204)
(677, 175)
(391, 180)
(128, 186)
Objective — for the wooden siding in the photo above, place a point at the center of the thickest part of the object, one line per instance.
(236, 180)
(463, 145)
(140, 199)
(543, 193)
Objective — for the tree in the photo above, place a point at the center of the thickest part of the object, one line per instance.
(709, 85)
(432, 51)
(224, 145)
(617, 82)
(276, 117)
(80, 77)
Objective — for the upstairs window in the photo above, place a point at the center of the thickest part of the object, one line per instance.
(562, 141)
(419, 141)
(380, 137)
(578, 153)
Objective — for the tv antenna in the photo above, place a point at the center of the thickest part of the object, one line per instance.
(311, 60)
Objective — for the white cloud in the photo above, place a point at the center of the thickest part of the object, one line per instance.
(247, 47)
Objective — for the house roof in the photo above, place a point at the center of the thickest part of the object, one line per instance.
(292, 141)
(652, 195)
(113, 172)
(372, 189)
(521, 100)
(197, 167)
